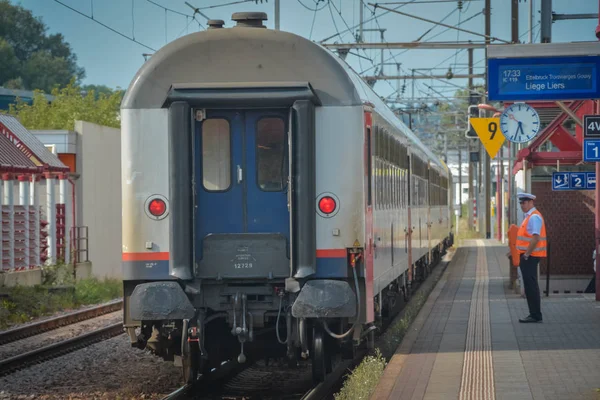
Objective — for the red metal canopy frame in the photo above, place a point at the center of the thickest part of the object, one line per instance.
(570, 150)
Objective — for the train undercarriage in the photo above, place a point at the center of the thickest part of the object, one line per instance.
(253, 321)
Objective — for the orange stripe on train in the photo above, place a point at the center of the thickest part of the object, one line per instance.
(164, 256)
(147, 256)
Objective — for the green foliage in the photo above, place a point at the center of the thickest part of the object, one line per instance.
(25, 303)
(362, 381)
(69, 105)
(29, 57)
(453, 122)
(98, 90)
(59, 274)
(92, 290)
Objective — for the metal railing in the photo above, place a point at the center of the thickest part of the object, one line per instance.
(76, 239)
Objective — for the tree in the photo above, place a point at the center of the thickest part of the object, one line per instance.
(29, 58)
(69, 105)
(98, 90)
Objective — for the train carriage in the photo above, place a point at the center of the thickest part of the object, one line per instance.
(270, 200)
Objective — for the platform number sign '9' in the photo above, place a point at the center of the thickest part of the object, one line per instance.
(491, 137)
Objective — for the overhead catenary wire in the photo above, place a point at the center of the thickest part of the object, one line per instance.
(364, 22)
(326, 3)
(439, 23)
(345, 23)
(104, 25)
(431, 38)
(168, 9)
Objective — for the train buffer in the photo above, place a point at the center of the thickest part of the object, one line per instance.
(467, 342)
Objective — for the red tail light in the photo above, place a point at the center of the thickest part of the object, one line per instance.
(157, 207)
(327, 205)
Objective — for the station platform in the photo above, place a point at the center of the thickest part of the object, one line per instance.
(467, 342)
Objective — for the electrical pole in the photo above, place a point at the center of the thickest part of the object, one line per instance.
(488, 214)
(412, 100)
(459, 181)
(398, 81)
(277, 14)
(360, 26)
(530, 21)
(546, 21)
(382, 61)
(514, 26)
(471, 102)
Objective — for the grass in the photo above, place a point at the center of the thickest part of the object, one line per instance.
(58, 292)
(361, 383)
(463, 228)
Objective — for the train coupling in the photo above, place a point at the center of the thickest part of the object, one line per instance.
(243, 332)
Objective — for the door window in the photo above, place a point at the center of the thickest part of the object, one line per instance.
(271, 164)
(216, 154)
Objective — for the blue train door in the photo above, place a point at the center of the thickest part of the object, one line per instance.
(267, 172)
(241, 191)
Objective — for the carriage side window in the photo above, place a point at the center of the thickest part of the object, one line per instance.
(271, 165)
(216, 154)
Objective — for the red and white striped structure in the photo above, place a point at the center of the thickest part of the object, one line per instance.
(33, 227)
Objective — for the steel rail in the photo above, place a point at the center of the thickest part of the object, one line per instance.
(26, 331)
(12, 364)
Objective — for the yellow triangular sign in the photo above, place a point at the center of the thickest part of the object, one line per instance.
(488, 130)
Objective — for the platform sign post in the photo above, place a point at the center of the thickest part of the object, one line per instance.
(562, 181)
(545, 71)
(591, 180)
(591, 150)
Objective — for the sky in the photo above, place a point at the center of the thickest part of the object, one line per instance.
(112, 60)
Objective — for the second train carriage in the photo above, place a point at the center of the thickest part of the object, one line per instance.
(269, 196)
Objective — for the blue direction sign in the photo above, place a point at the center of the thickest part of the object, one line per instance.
(544, 78)
(578, 180)
(591, 150)
(560, 181)
(573, 181)
(591, 180)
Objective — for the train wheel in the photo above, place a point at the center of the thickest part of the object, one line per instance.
(190, 356)
(320, 360)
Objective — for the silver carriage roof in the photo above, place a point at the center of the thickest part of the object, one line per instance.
(238, 55)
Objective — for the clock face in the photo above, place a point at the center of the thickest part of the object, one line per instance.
(519, 123)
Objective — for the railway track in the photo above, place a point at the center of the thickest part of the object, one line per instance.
(28, 358)
(26, 331)
(258, 382)
(254, 383)
(12, 364)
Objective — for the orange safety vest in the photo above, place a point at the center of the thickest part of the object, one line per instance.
(524, 238)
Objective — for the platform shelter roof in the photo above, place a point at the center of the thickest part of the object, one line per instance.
(13, 132)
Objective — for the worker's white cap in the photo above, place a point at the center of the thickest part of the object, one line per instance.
(527, 196)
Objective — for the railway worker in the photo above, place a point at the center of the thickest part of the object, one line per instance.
(531, 244)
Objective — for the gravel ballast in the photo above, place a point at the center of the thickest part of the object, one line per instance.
(111, 369)
(58, 335)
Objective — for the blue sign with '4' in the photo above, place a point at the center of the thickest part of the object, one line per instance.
(573, 181)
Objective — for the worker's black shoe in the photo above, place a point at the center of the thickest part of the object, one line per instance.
(529, 319)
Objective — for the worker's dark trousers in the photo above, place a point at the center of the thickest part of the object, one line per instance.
(532, 289)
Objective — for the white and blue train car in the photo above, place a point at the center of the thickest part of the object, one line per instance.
(271, 200)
